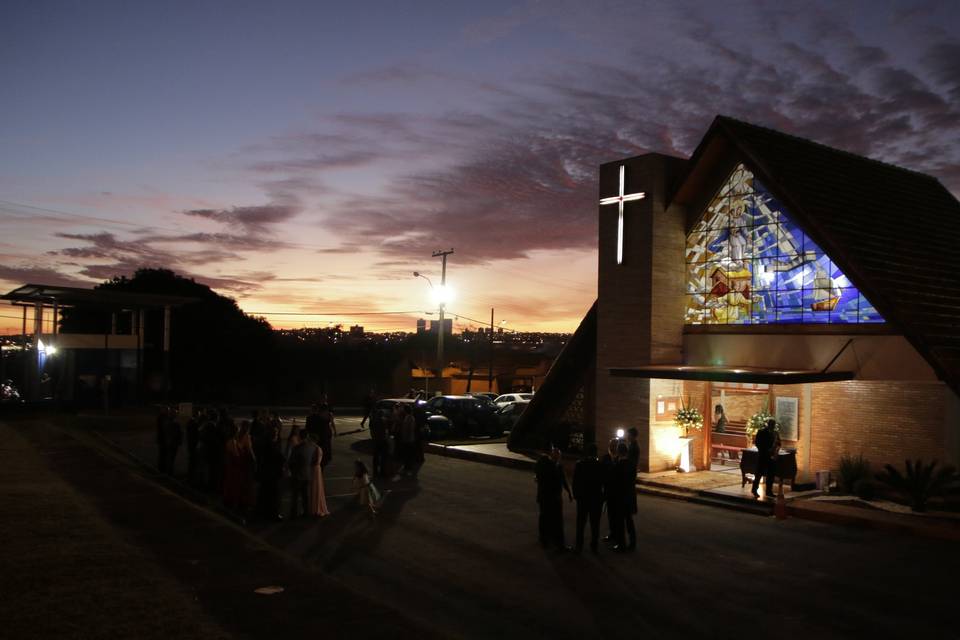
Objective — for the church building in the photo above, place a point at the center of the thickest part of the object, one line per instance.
(766, 274)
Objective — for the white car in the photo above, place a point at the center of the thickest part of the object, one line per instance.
(507, 398)
(510, 413)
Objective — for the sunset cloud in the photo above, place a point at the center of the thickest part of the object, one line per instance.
(249, 219)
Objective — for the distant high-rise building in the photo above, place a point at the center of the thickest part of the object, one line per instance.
(447, 326)
(421, 325)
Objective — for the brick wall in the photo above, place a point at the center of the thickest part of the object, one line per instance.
(663, 434)
(622, 403)
(887, 422)
(639, 315)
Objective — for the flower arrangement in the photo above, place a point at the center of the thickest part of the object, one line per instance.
(756, 422)
(688, 418)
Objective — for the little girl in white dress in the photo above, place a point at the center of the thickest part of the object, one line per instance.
(367, 493)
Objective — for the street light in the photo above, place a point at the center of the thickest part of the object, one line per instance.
(417, 274)
(441, 297)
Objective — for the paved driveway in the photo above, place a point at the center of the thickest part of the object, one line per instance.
(457, 551)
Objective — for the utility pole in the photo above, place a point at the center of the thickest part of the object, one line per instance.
(443, 281)
(490, 371)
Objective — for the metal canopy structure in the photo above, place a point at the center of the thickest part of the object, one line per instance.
(107, 299)
(754, 375)
(51, 298)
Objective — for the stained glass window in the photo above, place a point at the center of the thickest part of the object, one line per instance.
(749, 263)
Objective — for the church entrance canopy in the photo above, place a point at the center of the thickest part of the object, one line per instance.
(755, 375)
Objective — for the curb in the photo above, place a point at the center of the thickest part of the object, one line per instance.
(169, 483)
(698, 497)
(476, 456)
(795, 509)
(846, 518)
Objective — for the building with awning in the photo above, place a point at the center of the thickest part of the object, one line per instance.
(104, 367)
(766, 273)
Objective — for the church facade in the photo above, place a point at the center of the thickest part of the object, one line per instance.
(768, 273)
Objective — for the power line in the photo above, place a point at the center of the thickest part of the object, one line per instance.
(80, 216)
(482, 323)
(333, 313)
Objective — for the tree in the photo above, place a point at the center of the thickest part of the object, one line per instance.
(217, 352)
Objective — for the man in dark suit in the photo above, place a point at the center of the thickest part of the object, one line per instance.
(301, 458)
(611, 490)
(551, 483)
(588, 492)
(381, 445)
(625, 474)
(633, 448)
(767, 443)
(173, 439)
(162, 445)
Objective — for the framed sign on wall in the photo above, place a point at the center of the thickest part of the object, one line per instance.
(667, 407)
(785, 410)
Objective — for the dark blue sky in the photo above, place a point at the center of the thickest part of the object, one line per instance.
(310, 155)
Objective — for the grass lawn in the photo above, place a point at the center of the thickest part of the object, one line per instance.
(65, 573)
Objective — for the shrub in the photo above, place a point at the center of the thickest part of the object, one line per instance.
(865, 489)
(852, 470)
(919, 482)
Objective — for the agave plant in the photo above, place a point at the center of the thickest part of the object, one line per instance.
(852, 470)
(919, 482)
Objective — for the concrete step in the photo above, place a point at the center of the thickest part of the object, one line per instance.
(728, 502)
(666, 486)
(745, 505)
(662, 492)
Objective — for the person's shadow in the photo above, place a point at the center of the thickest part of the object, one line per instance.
(355, 530)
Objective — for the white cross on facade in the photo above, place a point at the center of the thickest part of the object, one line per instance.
(619, 200)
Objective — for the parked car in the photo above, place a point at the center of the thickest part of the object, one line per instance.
(510, 413)
(486, 394)
(461, 416)
(502, 401)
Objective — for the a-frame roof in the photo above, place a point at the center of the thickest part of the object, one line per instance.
(892, 231)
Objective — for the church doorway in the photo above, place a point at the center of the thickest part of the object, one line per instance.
(728, 414)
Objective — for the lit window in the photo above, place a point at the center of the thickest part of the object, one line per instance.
(749, 263)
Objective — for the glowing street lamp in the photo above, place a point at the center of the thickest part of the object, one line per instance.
(441, 296)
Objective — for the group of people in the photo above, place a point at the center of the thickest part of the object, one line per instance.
(597, 483)
(246, 464)
(398, 440)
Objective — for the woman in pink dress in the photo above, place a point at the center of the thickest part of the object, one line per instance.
(318, 497)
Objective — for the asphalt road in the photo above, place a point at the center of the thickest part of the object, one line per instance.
(457, 552)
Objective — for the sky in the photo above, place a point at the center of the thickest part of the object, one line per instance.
(309, 156)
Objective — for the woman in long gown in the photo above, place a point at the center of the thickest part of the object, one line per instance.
(232, 475)
(318, 497)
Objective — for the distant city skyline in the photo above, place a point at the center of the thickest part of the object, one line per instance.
(306, 157)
